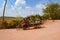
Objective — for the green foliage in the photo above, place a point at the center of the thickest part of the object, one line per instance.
(13, 23)
(4, 24)
(38, 17)
(55, 16)
(53, 10)
(45, 16)
(33, 18)
(30, 19)
(18, 22)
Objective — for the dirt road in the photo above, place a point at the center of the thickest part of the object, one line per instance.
(50, 32)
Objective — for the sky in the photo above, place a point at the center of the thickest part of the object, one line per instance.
(17, 8)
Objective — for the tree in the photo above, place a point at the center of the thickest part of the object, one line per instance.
(3, 21)
(45, 16)
(53, 10)
(38, 17)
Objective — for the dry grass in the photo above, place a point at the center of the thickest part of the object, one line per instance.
(8, 19)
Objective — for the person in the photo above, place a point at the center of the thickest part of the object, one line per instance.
(24, 23)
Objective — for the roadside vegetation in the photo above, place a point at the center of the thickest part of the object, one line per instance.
(51, 12)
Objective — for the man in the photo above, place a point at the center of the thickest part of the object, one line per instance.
(24, 24)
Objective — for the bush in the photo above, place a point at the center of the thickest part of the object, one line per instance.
(3, 24)
(14, 24)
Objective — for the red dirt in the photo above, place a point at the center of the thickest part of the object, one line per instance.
(50, 32)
